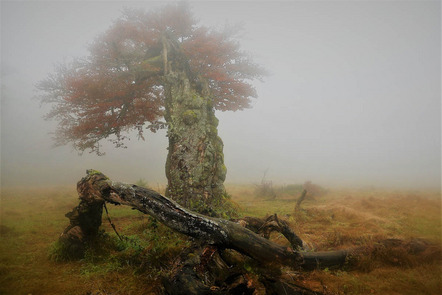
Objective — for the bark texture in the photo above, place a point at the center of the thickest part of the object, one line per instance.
(211, 268)
(84, 219)
(96, 188)
(195, 163)
(215, 231)
(195, 167)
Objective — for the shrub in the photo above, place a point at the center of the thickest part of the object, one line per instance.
(314, 190)
(142, 182)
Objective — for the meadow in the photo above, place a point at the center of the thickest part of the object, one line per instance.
(33, 218)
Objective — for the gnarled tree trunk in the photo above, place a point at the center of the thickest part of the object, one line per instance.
(195, 163)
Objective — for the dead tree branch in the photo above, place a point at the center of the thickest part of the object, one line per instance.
(96, 188)
(300, 200)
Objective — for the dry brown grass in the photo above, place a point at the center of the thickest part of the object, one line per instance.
(31, 219)
(344, 219)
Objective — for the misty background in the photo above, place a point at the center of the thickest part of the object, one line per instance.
(353, 97)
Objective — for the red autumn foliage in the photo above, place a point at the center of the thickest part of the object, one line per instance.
(120, 86)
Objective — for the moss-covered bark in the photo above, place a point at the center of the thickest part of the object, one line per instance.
(84, 219)
(195, 163)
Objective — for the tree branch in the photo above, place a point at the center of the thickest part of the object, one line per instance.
(96, 188)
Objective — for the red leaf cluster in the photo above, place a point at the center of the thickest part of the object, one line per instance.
(119, 87)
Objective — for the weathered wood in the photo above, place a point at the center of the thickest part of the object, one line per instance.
(96, 188)
(215, 269)
(265, 226)
(195, 167)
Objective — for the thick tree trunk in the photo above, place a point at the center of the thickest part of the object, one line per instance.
(195, 163)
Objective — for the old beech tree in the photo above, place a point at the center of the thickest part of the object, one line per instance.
(153, 70)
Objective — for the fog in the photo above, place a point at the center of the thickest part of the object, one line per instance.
(353, 97)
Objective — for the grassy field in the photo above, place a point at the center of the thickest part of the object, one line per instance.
(32, 219)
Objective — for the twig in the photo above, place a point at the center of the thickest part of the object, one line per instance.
(110, 221)
(301, 198)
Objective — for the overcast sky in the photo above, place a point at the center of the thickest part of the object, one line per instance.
(354, 95)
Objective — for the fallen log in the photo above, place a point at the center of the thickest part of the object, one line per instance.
(216, 236)
(96, 188)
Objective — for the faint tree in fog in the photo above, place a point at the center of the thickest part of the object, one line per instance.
(154, 70)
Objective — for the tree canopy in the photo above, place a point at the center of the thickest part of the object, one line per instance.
(119, 86)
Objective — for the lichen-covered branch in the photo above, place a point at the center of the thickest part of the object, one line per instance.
(95, 188)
